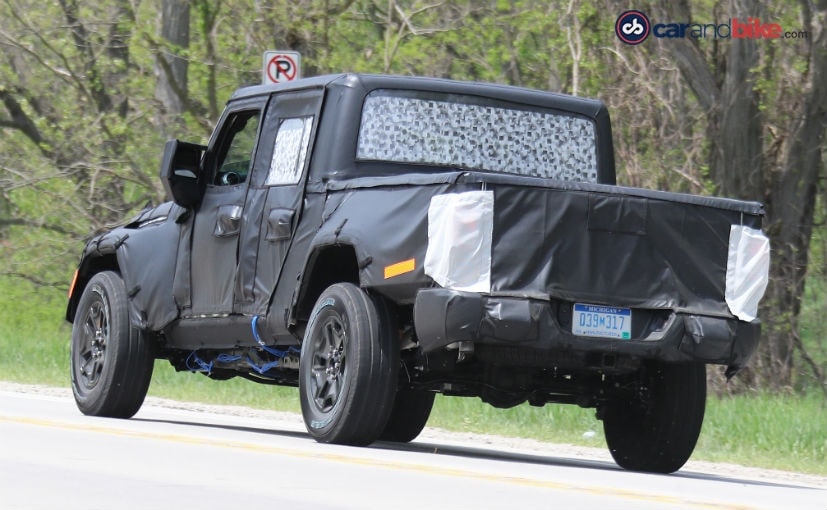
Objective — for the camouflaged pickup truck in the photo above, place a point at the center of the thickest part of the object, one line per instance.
(376, 240)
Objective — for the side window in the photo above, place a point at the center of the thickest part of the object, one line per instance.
(290, 151)
(235, 152)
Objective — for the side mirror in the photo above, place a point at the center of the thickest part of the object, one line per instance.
(181, 173)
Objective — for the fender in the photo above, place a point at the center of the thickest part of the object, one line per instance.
(144, 252)
(382, 252)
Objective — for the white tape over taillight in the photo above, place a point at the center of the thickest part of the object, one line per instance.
(460, 226)
(747, 271)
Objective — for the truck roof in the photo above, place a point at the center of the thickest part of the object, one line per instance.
(366, 82)
(350, 90)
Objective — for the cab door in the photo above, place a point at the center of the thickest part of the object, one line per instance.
(217, 222)
(276, 196)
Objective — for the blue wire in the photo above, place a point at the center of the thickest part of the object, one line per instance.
(263, 368)
(253, 325)
(271, 350)
(203, 366)
(195, 364)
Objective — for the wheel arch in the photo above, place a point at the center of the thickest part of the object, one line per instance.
(326, 265)
(89, 266)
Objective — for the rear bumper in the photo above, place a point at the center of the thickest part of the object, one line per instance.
(444, 316)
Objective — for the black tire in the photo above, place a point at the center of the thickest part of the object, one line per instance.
(348, 367)
(657, 432)
(410, 413)
(111, 361)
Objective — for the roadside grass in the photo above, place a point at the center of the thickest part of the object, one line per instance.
(787, 432)
(34, 337)
(192, 387)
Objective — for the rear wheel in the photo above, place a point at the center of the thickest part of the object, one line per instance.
(111, 361)
(657, 431)
(411, 410)
(348, 367)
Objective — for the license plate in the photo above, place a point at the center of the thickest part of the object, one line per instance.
(602, 321)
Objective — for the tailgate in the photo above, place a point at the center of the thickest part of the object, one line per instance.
(619, 246)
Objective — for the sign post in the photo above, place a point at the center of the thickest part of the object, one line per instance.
(281, 66)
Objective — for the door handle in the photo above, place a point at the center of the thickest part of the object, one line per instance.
(228, 221)
(279, 224)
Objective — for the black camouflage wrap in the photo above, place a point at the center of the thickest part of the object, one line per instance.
(561, 234)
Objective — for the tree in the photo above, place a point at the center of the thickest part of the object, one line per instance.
(172, 89)
(763, 145)
(66, 165)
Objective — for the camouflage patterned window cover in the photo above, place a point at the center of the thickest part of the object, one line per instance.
(549, 144)
(290, 151)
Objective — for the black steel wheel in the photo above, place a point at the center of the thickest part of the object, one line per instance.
(657, 431)
(111, 361)
(411, 410)
(348, 366)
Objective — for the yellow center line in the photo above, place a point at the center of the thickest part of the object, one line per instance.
(411, 467)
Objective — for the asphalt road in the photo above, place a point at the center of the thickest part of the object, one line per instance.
(52, 457)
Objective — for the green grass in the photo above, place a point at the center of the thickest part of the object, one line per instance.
(787, 432)
(772, 431)
(191, 387)
(34, 337)
(553, 423)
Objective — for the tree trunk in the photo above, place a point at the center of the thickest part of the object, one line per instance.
(171, 67)
(791, 209)
(736, 155)
(740, 167)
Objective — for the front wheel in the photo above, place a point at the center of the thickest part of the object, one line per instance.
(111, 361)
(657, 431)
(348, 366)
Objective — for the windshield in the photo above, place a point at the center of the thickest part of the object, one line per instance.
(477, 134)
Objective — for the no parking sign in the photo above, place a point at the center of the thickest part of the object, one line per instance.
(281, 66)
